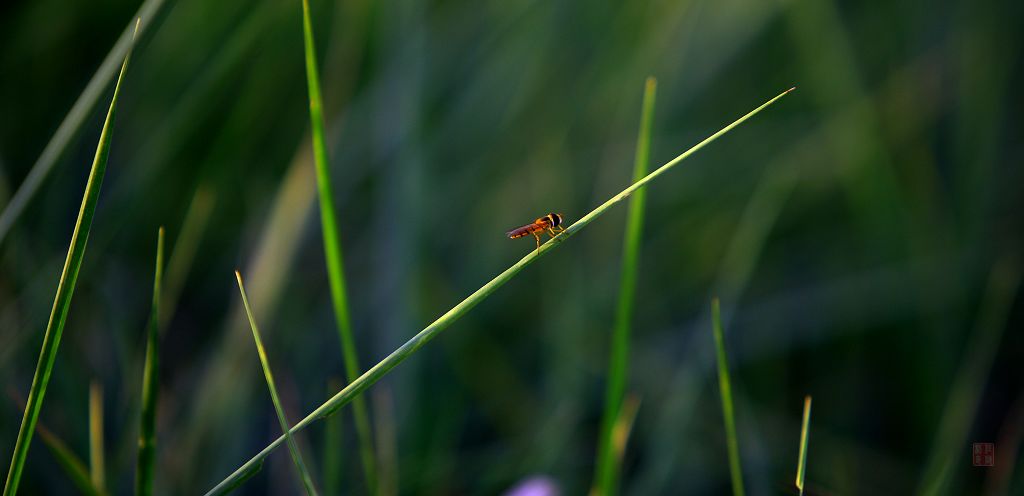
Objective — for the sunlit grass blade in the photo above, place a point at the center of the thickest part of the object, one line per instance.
(624, 427)
(303, 473)
(725, 387)
(76, 116)
(801, 464)
(65, 289)
(150, 382)
(97, 463)
(396, 357)
(332, 251)
(965, 392)
(607, 474)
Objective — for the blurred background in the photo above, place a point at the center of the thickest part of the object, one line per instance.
(863, 235)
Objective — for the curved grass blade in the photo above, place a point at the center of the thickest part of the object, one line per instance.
(396, 357)
(65, 289)
(97, 463)
(74, 119)
(307, 481)
(725, 386)
(332, 251)
(801, 464)
(606, 478)
(150, 383)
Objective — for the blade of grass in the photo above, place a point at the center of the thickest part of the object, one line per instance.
(278, 242)
(269, 266)
(307, 481)
(97, 464)
(150, 382)
(332, 251)
(606, 478)
(725, 386)
(624, 426)
(396, 357)
(75, 117)
(801, 464)
(72, 465)
(65, 289)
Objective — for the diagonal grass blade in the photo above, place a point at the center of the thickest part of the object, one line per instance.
(65, 289)
(396, 357)
(307, 481)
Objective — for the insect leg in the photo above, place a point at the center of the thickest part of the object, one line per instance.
(551, 232)
(537, 237)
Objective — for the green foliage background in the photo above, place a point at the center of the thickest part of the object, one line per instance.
(863, 235)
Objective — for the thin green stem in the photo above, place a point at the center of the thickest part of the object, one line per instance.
(606, 478)
(801, 464)
(307, 481)
(725, 386)
(65, 290)
(332, 250)
(396, 357)
(97, 463)
(150, 383)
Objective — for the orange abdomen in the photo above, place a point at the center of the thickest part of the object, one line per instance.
(523, 231)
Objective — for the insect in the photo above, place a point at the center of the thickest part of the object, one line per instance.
(550, 223)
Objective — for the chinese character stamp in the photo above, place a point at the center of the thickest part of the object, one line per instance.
(984, 454)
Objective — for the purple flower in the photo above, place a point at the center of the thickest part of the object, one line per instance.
(538, 485)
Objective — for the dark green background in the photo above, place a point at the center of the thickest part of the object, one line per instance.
(851, 230)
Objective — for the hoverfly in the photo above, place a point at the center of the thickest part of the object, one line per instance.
(550, 223)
